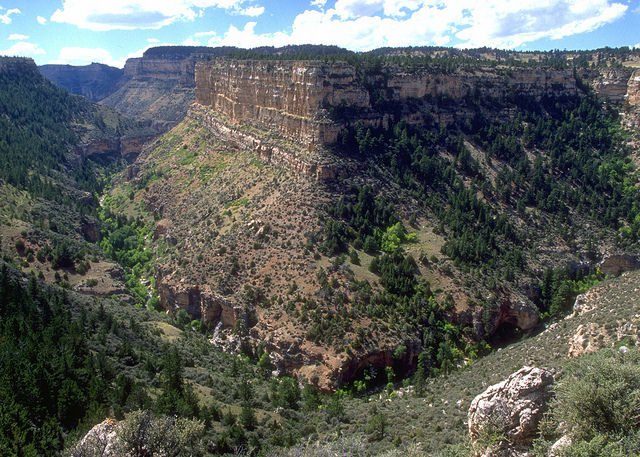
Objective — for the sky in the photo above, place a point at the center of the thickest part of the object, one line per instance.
(79, 32)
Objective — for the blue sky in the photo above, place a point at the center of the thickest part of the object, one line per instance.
(110, 31)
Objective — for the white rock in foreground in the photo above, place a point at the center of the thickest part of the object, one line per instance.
(503, 420)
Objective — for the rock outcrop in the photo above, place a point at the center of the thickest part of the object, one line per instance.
(615, 265)
(588, 338)
(312, 102)
(159, 86)
(289, 97)
(268, 148)
(503, 420)
(633, 90)
(101, 441)
(201, 303)
(611, 83)
(108, 149)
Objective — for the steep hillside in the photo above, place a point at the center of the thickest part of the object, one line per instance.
(357, 216)
(67, 361)
(55, 156)
(434, 414)
(95, 81)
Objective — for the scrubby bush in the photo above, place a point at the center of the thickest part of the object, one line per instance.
(598, 405)
(601, 395)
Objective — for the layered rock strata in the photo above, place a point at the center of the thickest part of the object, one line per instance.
(268, 148)
(312, 102)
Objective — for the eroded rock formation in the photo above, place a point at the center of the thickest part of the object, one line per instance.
(201, 303)
(510, 412)
(311, 102)
(289, 97)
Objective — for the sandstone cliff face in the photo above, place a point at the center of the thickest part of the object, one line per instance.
(611, 84)
(484, 82)
(310, 103)
(288, 97)
(291, 156)
(633, 90)
(179, 70)
(632, 115)
(156, 89)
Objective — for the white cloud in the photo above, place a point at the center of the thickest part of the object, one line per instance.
(23, 49)
(509, 24)
(251, 11)
(84, 56)
(191, 42)
(368, 24)
(5, 14)
(247, 38)
(318, 3)
(205, 34)
(153, 40)
(143, 14)
(17, 37)
(41, 20)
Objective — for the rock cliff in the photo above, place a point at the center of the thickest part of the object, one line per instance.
(311, 102)
(159, 86)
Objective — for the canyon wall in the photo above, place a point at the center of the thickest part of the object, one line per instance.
(310, 102)
(179, 70)
(289, 97)
(610, 83)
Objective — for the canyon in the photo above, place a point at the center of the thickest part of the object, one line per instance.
(293, 116)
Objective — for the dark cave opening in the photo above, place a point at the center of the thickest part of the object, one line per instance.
(506, 334)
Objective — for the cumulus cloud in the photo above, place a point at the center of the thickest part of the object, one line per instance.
(143, 14)
(17, 37)
(23, 49)
(368, 24)
(41, 20)
(84, 56)
(5, 14)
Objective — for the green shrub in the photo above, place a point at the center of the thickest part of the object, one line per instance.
(601, 394)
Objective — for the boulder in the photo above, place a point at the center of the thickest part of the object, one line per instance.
(101, 441)
(503, 420)
(559, 446)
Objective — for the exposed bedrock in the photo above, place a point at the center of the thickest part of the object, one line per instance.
(311, 102)
(202, 303)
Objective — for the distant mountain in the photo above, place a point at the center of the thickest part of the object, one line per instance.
(95, 81)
